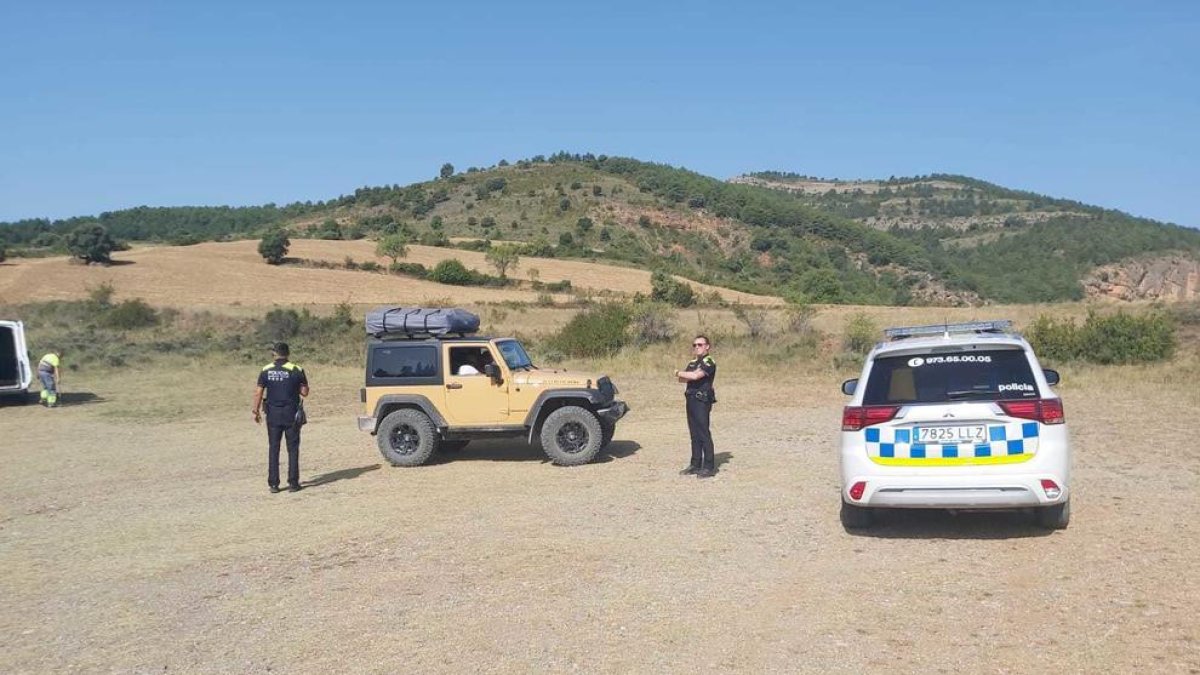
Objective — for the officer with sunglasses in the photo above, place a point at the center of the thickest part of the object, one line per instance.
(699, 375)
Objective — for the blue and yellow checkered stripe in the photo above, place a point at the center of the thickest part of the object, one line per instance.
(1007, 444)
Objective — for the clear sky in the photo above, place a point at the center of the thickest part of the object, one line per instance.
(107, 105)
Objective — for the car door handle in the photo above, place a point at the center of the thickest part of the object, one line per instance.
(454, 385)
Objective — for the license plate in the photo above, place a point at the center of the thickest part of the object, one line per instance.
(975, 433)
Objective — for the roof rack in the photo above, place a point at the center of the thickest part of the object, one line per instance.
(946, 329)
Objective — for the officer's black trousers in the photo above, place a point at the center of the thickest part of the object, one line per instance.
(702, 444)
(274, 434)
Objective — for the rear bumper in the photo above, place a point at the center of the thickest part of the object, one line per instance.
(994, 493)
(613, 412)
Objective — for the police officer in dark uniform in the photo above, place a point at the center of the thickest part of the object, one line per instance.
(281, 386)
(699, 376)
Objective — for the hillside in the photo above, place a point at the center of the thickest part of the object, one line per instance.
(941, 240)
(1011, 245)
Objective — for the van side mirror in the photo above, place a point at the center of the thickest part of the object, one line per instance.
(493, 371)
(1052, 377)
(849, 387)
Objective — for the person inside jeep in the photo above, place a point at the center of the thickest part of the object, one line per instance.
(474, 361)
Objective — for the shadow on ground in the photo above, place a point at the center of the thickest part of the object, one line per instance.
(340, 474)
(517, 450)
(69, 399)
(942, 524)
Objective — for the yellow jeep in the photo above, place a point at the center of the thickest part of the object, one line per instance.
(423, 393)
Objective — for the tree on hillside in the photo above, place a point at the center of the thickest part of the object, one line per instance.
(91, 243)
(3, 253)
(274, 246)
(447, 170)
(503, 258)
(394, 246)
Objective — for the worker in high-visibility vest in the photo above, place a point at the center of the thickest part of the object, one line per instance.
(50, 373)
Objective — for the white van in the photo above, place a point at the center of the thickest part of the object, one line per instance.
(957, 416)
(15, 372)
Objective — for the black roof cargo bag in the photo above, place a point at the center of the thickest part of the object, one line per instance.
(384, 322)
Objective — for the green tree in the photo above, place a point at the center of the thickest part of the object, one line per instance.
(584, 225)
(91, 243)
(447, 170)
(503, 258)
(3, 253)
(274, 246)
(394, 246)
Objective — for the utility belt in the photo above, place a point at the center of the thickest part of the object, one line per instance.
(702, 395)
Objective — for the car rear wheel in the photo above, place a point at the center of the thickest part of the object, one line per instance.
(856, 517)
(571, 436)
(406, 437)
(1055, 517)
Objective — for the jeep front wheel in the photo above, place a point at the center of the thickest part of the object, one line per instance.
(571, 436)
(406, 437)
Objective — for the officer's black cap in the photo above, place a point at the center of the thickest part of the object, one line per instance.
(281, 348)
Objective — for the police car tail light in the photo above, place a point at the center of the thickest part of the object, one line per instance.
(857, 490)
(1051, 488)
(1046, 410)
(856, 417)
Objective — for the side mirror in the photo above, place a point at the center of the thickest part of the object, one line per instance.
(850, 386)
(1052, 377)
(493, 371)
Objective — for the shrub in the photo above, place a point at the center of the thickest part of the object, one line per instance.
(370, 266)
(129, 315)
(664, 288)
(800, 318)
(409, 269)
(558, 286)
(599, 331)
(1054, 340)
(452, 271)
(101, 295)
(1119, 338)
(652, 322)
(545, 300)
(279, 324)
(755, 319)
(860, 334)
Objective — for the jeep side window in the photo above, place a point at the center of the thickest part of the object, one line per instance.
(992, 374)
(469, 360)
(403, 362)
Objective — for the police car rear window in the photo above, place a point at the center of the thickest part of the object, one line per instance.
(978, 375)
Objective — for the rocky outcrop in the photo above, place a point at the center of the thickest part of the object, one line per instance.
(1168, 278)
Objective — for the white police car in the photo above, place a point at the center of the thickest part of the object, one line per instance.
(957, 416)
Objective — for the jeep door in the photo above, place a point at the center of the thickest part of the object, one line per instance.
(473, 399)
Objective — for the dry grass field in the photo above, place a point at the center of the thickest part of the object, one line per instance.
(217, 275)
(137, 535)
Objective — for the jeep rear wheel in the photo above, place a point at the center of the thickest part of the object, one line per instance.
(571, 436)
(406, 437)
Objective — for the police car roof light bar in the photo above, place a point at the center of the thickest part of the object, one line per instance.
(996, 326)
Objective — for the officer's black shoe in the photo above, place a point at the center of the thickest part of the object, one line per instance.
(689, 470)
(706, 473)
(294, 488)
(274, 489)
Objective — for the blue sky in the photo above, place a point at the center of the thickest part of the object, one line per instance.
(110, 105)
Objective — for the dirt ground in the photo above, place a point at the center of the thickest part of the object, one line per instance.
(137, 534)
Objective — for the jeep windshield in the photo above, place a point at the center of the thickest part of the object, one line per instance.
(955, 376)
(514, 354)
